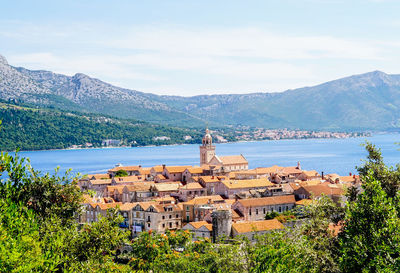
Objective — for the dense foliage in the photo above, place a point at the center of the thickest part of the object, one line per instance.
(38, 232)
(35, 129)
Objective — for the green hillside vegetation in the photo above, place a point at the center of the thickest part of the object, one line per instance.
(39, 233)
(28, 128)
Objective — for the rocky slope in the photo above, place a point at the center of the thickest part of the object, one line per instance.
(360, 102)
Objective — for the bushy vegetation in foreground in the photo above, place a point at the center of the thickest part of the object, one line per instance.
(39, 233)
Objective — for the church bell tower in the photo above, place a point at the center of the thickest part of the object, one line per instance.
(207, 150)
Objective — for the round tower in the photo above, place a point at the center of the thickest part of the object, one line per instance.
(221, 224)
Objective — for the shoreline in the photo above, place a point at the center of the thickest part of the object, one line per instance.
(177, 144)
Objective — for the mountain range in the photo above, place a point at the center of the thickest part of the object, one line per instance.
(369, 101)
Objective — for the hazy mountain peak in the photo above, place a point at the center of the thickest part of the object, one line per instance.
(3, 60)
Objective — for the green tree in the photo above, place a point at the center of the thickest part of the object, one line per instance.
(121, 173)
(370, 240)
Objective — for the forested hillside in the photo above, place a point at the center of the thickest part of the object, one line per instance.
(369, 101)
(29, 128)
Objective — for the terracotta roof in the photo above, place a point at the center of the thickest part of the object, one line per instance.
(105, 206)
(198, 224)
(119, 188)
(146, 205)
(144, 171)
(163, 199)
(291, 170)
(311, 173)
(245, 227)
(192, 186)
(100, 182)
(99, 176)
(232, 159)
(157, 169)
(304, 202)
(139, 186)
(209, 178)
(267, 201)
(261, 171)
(202, 200)
(127, 206)
(196, 170)
(167, 186)
(125, 168)
(177, 169)
(162, 207)
(317, 190)
(129, 179)
(161, 177)
(348, 178)
(250, 183)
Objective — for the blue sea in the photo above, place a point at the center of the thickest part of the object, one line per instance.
(328, 155)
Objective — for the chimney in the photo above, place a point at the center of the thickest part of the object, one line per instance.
(322, 174)
(140, 166)
(163, 166)
(298, 165)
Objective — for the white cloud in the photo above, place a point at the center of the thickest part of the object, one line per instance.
(149, 57)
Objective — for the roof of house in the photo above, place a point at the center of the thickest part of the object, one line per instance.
(304, 202)
(98, 176)
(291, 170)
(118, 188)
(139, 186)
(129, 179)
(261, 171)
(127, 206)
(199, 224)
(264, 225)
(267, 201)
(144, 171)
(105, 206)
(157, 169)
(125, 168)
(311, 173)
(101, 181)
(232, 159)
(145, 205)
(167, 186)
(212, 178)
(177, 169)
(248, 183)
(163, 207)
(160, 177)
(192, 186)
(349, 178)
(195, 170)
(202, 200)
(326, 189)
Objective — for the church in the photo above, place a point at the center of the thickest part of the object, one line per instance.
(225, 163)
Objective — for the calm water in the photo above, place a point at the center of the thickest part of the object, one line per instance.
(328, 155)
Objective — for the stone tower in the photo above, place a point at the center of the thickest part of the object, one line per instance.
(221, 224)
(207, 150)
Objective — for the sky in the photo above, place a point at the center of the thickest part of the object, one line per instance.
(187, 47)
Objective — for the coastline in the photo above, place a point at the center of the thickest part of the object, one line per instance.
(178, 144)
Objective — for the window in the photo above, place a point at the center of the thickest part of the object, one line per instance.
(170, 225)
(280, 209)
(187, 218)
(177, 216)
(163, 217)
(148, 218)
(249, 211)
(264, 210)
(163, 225)
(148, 225)
(187, 208)
(170, 216)
(257, 211)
